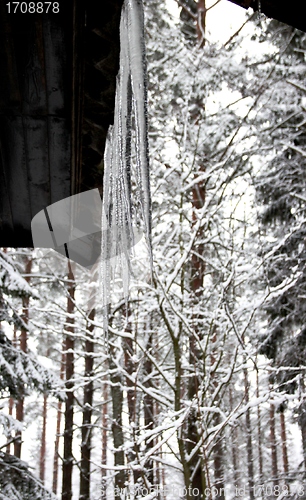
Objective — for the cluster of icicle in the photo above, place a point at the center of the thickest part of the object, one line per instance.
(130, 111)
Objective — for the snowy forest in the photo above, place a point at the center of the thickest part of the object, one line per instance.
(194, 387)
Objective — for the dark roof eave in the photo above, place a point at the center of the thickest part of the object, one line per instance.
(292, 14)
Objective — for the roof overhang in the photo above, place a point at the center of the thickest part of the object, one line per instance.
(57, 89)
(291, 13)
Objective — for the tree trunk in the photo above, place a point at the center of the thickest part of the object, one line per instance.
(197, 472)
(117, 430)
(42, 460)
(11, 407)
(274, 465)
(218, 464)
(56, 448)
(259, 433)
(118, 438)
(250, 459)
(23, 346)
(303, 432)
(149, 411)
(58, 428)
(234, 443)
(302, 422)
(11, 400)
(130, 368)
(201, 22)
(158, 472)
(87, 414)
(198, 480)
(284, 444)
(104, 439)
(68, 432)
(218, 454)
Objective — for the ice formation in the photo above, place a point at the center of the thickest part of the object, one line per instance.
(126, 159)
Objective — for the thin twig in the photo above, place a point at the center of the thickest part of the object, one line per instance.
(238, 31)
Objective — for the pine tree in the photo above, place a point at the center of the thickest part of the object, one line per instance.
(20, 375)
(281, 193)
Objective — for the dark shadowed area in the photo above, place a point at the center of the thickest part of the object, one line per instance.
(57, 88)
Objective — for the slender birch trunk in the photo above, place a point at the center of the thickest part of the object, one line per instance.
(58, 427)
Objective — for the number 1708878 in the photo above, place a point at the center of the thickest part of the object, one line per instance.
(33, 7)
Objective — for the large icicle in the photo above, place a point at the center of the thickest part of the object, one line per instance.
(138, 69)
(131, 100)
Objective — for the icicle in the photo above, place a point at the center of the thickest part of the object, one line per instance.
(131, 97)
(259, 8)
(259, 12)
(138, 68)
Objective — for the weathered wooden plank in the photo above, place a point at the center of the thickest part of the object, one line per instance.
(29, 55)
(59, 139)
(57, 37)
(35, 87)
(6, 221)
(37, 161)
(12, 143)
(9, 86)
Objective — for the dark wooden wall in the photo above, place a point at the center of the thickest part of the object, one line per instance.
(57, 87)
(35, 115)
